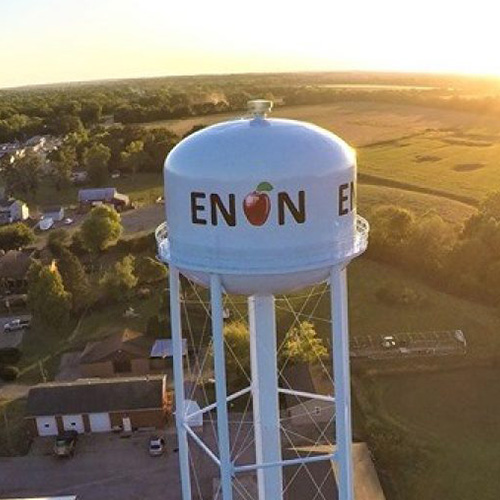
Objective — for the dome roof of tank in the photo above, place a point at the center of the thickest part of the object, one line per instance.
(238, 145)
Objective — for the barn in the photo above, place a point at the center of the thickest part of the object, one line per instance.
(98, 405)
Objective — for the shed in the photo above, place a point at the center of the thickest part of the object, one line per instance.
(97, 405)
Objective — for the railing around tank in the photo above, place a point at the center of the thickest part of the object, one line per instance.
(349, 247)
(161, 233)
(362, 230)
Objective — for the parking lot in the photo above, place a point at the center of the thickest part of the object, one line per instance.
(105, 466)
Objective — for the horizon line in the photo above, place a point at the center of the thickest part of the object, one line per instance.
(95, 81)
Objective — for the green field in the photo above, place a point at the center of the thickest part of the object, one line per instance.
(459, 163)
(452, 414)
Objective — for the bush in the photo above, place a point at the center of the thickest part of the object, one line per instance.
(8, 373)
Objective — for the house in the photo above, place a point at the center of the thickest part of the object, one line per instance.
(14, 267)
(56, 213)
(126, 353)
(91, 197)
(307, 410)
(12, 210)
(98, 405)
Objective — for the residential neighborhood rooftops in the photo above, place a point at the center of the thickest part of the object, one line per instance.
(135, 343)
(96, 395)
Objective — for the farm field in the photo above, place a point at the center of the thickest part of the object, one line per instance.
(452, 152)
(371, 196)
(360, 122)
(460, 163)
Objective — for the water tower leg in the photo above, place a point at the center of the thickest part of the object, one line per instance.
(178, 365)
(265, 394)
(226, 466)
(340, 343)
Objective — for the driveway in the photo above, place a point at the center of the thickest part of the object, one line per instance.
(105, 466)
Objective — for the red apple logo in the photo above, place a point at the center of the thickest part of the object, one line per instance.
(257, 204)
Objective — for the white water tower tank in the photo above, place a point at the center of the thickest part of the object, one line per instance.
(269, 204)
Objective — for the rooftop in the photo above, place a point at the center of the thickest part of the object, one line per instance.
(96, 395)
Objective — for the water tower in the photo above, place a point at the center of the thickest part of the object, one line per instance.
(259, 207)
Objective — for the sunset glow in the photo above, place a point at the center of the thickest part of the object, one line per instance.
(67, 40)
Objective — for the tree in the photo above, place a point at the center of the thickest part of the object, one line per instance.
(57, 239)
(96, 160)
(302, 345)
(133, 157)
(149, 270)
(429, 243)
(193, 129)
(63, 160)
(74, 279)
(118, 282)
(389, 232)
(101, 228)
(237, 352)
(49, 302)
(15, 236)
(22, 177)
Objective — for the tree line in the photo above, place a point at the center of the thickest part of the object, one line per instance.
(60, 110)
(464, 261)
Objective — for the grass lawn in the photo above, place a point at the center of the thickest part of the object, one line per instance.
(459, 163)
(455, 415)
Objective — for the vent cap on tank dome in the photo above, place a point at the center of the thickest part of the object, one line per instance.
(269, 204)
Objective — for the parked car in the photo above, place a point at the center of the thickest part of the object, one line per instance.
(68, 221)
(17, 324)
(65, 444)
(156, 446)
(46, 224)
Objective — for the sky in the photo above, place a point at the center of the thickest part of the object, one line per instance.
(46, 41)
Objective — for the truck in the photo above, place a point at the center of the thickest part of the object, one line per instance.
(17, 324)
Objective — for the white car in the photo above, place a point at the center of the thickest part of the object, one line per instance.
(67, 221)
(156, 446)
(46, 224)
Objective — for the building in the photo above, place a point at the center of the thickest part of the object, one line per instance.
(304, 410)
(14, 267)
(56, 213)
(126, 353)
(88, 198)
(12, 210)
(98, 405)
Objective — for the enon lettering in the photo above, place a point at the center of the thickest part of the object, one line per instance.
(223, 209)
(346, 198)
(216, 209)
